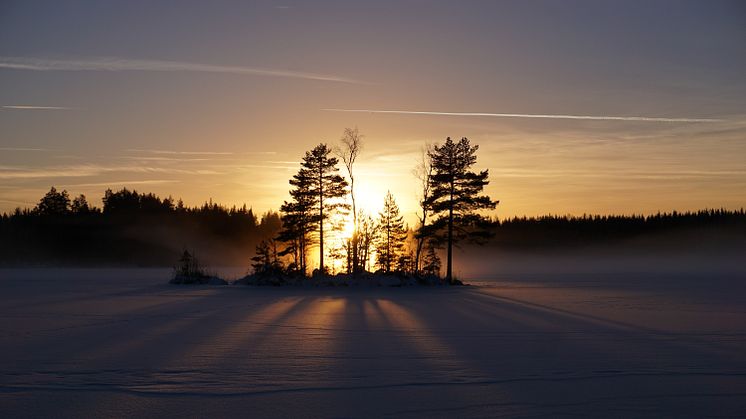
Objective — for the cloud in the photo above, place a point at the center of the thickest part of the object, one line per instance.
(85, 170)
(37, 108)
(522, 115)
(22, 149)
(165, 159)
(120, 182)
(127, 64)
(152, 151)
(11, 201)
(621, 174)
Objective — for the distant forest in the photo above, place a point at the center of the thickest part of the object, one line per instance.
(142, 229)
(132, 229)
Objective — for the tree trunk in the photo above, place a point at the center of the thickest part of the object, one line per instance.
(388, 249)
(449, 268)
(355, 256)
(321, 220)
(420, 243)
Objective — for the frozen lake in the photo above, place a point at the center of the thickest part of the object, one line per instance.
(93, 342)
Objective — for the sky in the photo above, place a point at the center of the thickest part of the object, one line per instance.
(577, 106)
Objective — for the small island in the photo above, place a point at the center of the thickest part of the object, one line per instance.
(323, 207)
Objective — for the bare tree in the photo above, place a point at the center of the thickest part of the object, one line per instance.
(422, 171)
(368, 230)
(352, 143)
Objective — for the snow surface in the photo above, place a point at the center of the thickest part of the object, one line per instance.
(114, 343)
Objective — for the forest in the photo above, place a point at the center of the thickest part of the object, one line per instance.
(132, 229)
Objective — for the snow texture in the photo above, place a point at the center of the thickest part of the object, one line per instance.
(118, 343)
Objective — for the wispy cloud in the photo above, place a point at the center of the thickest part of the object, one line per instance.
(120, 182)
(85, 170)
(127, 64)
(37, 108)
(523, 115)
(198, 153)
(165, 159)
(620, 174)
(22, 149)
(15, 202)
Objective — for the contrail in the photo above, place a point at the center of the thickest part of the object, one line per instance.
(44, 108)
(126, 64)
(524, 115)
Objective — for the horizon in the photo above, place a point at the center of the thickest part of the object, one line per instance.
(633, 110)
(97, 203)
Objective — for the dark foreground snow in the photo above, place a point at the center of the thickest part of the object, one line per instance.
(113, 343)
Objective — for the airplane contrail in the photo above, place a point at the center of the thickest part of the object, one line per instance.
(525, 115)
(43, 108)
(128, 64)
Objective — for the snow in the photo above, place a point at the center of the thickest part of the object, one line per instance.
(119, 342)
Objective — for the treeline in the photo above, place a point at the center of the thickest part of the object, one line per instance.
(552, 231)
(132, 229)
(142, 229)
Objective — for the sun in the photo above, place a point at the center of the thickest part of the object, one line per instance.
(348, 228)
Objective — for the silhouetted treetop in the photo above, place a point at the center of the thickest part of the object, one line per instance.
(54, 203)
(456, 196)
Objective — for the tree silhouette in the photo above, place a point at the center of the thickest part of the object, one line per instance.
(298, 222)
(455, 195)
(266, 260)
(367, 232)
(80, 205)
(431, 261)
(54, 203)
(392, 234)
(318, 185)
(422, 171)
(352, 143)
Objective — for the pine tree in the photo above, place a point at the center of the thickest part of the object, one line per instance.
(54, 203)
(298, 222)
(266, 260)
(317, 195)
(80, 205)
(392, 234)
(431, 261)
(456, 196)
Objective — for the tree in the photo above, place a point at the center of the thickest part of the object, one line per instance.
(320, 187)
(392, 234)
(189, 266)
(266, 259)
(298, 222)
(80, 205)
(456, 195)
(123, 201)
(367, 231)
(431, 261)
(54, 203)
(351, 145)
(422, 171)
